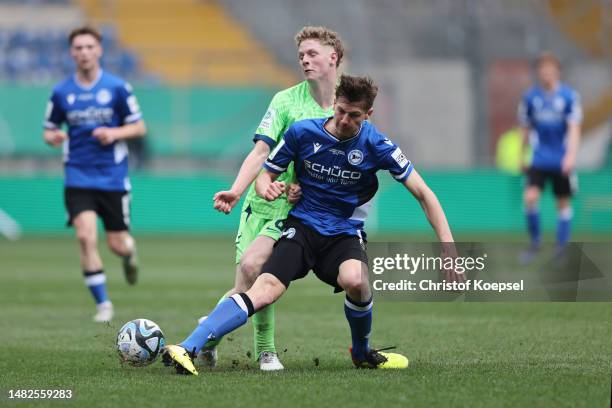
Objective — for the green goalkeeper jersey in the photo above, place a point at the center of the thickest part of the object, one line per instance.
(287, 107)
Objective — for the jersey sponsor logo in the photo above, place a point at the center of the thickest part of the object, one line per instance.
(332, 174)
(268, 119)
(337, 152)
(103, 96)
(355, 157)
(316, 146)
(91, 115)
(399, 157)
(70, 98)
(85, 97)
(288, 233)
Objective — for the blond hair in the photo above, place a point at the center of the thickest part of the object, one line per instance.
(325, 36)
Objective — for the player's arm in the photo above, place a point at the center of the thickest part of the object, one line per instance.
(430, 204)
(283, 154)
(267, 187)
(54, 137)
(525, 129)
(53, 134)
(108, 135)
(573, 141)
(436, 217)
(224, 201)
(574, 121)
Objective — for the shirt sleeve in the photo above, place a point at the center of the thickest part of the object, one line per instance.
(574, 114)
(55, 114)
(391, 158)
(524, 112)
(273, 124)
(283, 154)
(127, 104)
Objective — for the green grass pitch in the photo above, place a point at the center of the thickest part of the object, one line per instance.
(461, 354)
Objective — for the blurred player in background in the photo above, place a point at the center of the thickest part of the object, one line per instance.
(320, 52)
(101, 114)
(550, 115)
(336, 160)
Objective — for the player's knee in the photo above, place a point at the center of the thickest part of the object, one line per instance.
(532, 196)
(116, 246)
(250, 267)
(87, 239)
(271, 288)
(353, 282)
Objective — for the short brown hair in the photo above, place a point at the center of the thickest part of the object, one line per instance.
(325, 36)
(548, 57)
(357, 89)
(83, 31)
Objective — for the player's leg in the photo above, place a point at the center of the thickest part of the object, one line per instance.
(531, 200)
(114, 209)
(248, 230)
(80, 205)
(358, 304)
(263, 321)
(85, 225)
(286, 262)
(564, 187)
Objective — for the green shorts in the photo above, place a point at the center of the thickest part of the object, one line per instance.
(252, 226)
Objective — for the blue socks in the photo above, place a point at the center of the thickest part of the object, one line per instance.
(96, 282)
(359, 316)
(229, 314)
(563, 226)
(533, 225)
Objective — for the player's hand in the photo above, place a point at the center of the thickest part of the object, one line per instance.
(294, 193)
(274, 190)
(55, 137)
(224, 201)
(105, 135)
(450, 274)
(567, 164)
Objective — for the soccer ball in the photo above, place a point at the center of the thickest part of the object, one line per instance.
(139, 342)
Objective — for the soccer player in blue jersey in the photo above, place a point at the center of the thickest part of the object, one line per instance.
(336, 160)
(101, 114)
(550, 115)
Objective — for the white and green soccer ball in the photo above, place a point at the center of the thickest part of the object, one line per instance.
(139, 342)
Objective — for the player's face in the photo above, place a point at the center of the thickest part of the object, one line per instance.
(348, 117)
(316, 59)
(548, 74)
(86, 52)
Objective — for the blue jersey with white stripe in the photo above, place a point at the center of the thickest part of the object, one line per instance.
(338, 177)
(547, 115)
(108, 102)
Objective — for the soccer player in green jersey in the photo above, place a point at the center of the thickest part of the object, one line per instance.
(320, 52)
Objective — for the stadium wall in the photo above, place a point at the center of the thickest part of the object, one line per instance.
(474, 200)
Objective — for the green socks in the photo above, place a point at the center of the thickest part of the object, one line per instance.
(263, 330)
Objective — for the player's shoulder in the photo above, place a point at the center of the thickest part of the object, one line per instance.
(65, 85)
(371, 134)
(291, 94)
(308, 125)
(567, 91)
(532, 92)
(111, 80)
